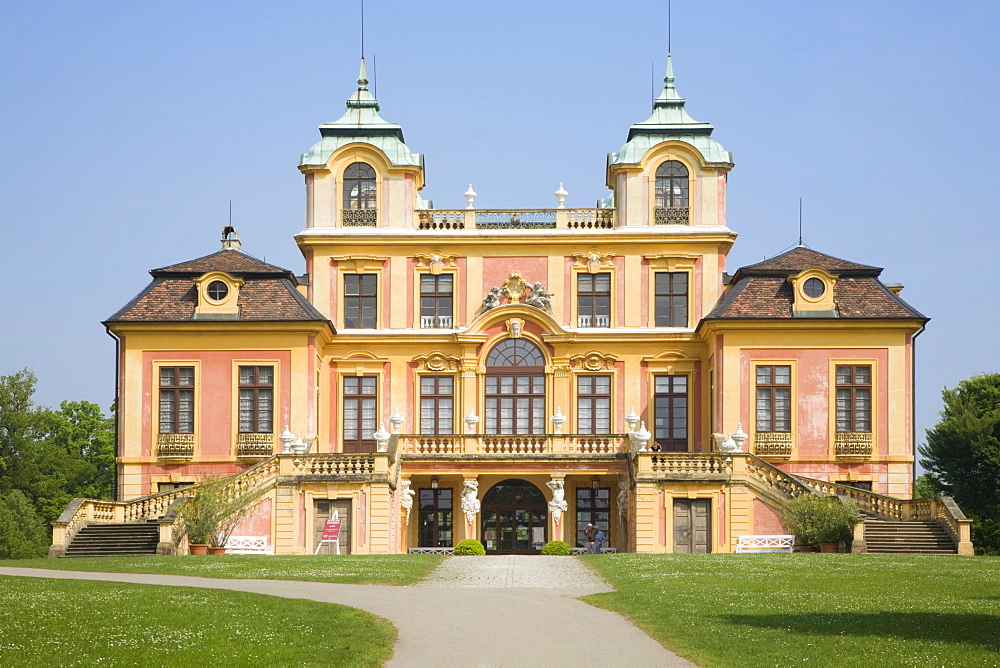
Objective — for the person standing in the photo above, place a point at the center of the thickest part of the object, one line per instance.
(589, 536)
(598, 541)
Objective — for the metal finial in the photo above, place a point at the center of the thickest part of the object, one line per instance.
(800, 223)
(362, 30)
(669, 27)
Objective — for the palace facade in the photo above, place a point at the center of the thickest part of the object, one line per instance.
(512, 375)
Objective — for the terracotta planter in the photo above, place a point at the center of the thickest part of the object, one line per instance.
(198, 548)
(216, 550)
(805, 548)
(828, 548)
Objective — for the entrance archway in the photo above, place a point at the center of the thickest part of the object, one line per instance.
(514, 518)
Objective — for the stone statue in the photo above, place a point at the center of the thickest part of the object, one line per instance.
(492, 299)
(623, 498)
(406, 498)
(540, 297)
(557, 506)
(470, 502)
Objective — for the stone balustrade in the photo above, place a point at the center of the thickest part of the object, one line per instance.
(512, 444)
(515, 219)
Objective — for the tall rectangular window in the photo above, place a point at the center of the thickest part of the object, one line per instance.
(435, 518)
(437, 400)
(360, 408)
(671, 297)
(593, 300)
(360, 301)
(593, 404)
(436, 300)
(256, 399)
(593, 506)
(176, 399)
(774, 397)
(670, 413)
(854, 398)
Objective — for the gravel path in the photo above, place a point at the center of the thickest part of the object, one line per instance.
(475, 611)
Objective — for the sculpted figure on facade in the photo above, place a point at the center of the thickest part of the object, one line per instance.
(557, 506)
(540, 297)
(623, 499)
(492, 299)
(470, 500)
(406, 498)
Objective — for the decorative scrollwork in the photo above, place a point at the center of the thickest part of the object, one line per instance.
(359, 217)
(674, 215)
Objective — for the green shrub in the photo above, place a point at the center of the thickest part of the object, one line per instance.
(557, 548)
(22, 533)
(470, 547)
(818, 519)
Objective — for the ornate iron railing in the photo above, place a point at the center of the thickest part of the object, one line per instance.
(772, 444)
(359, 217)
(853, 444)
(254, 445)
(674, 215)
(175, 446)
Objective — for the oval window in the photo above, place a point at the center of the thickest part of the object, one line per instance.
(217, 291)
(814, 288)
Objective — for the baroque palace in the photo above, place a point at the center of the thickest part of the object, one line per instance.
(513, 375)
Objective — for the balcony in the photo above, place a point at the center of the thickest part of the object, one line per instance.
(254, 446)
(772, 444)
(359, 217)
(175, 446)
(516, 219)
(435, 322)
(857, 444)
(675, 215)
(593, 321)
(512, 444)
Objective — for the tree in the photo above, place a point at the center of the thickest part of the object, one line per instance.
(962, 454)
(46, 459)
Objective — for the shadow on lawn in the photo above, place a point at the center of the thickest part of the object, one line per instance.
(960, 628)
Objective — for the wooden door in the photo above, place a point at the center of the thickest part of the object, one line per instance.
(692, 526)
(324, 511)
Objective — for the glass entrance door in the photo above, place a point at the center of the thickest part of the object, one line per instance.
(514, 518)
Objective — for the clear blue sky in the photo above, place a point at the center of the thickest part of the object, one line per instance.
(126, 128)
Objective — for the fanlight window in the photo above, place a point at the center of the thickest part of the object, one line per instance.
(359, 187)
(515, 352)
(671, 185)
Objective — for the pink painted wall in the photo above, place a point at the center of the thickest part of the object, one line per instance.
(766, 519)
(813, 392)
(496, 270)
(215, 384)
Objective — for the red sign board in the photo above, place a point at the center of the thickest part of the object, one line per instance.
(331, 530)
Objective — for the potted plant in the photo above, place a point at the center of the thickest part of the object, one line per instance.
(213, 513)
(819, 520)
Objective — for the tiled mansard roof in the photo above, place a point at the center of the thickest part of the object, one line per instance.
(268, 292)
(762, 290)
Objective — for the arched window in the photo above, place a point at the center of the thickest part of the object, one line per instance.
(671, 185)
(515, 388)
(359, 194)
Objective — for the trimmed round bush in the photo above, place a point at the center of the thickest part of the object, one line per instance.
(557, 548)
(470, 547)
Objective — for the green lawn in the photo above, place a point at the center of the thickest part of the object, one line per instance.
(393, 569)
(857, 610)
(84, 623)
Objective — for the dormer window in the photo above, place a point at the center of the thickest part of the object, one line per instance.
(814, 287)
(360, 201)
(217, 291)
(671, 194)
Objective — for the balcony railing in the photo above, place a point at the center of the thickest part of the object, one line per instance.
(175, 446)
(593, 321)
(512, 444)
(674, 215)
(515, 219)
(772, 444)
(853, 444)
(359, 217)
(435, 322)
(254, 445)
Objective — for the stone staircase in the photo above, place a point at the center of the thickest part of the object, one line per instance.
(115, 540)
(883, 536)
